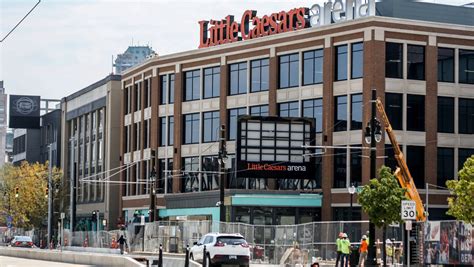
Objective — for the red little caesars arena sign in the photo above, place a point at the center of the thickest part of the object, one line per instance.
(229, 31)
(217, 32)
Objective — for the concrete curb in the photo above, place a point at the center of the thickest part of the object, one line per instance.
(84, 258)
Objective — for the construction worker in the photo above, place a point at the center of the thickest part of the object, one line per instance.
(338, 247)
(345, 250)
(364, 248)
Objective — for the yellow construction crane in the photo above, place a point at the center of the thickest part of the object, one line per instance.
(402, 173)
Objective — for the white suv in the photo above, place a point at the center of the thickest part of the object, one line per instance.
(222, 249)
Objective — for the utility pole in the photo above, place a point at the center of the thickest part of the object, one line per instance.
(371, 259)
(72, 194)
(222, 160)
(50, 194)
(152, 182)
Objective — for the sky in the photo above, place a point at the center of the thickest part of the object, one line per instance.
(66, 45)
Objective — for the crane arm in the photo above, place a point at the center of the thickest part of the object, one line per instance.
(402, 172)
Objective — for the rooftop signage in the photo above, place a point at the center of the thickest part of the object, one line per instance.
(217, 32)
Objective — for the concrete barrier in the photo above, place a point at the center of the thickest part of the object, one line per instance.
(169, 259)
(85, 258)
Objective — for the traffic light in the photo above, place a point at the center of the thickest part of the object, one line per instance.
(94, 216)
(46, 192)
(16, 192)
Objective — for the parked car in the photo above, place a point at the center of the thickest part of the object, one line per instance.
(221, 249)
(22, 241)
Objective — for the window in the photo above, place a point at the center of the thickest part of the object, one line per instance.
(147, 129)
(210, 173)
(138, 94)
(340, 168)
(466, 116)
(148, 93)
(445, 65)
(289, 109)
(137, 136)
(415, 113)
(163, 88)
(390, 160)
(211, 126)
(356, 112)
(356, 166)
(127, 100)
(463, 155)
(394, 107)
(212, 82)
(191, 174)
(259, 75)
(416, 62)
(191, 128)
(313, 67)
(445, 165)
(162, 131)
(357, 62)
(232, 125)
(170, 130)
(466, 66)
(238, 78)
(289, 70)
(259, 110)
(393, 60)
(445, 114)
(340, 116)
(341, 62)
(416, 164)
(191, 86)
(313, 108)
(171, 93)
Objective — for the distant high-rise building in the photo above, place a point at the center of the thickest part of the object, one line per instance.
(3, 124)
(131, 57)
(9, 146)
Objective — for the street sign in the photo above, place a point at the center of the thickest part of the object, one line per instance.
(408, 210)
(408, 225)
(63, 215)
(142, 220)
(9, 221)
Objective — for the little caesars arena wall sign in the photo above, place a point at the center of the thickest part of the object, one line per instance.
(216, 32)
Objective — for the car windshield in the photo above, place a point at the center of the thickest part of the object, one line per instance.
(231, 240)
(23, 238)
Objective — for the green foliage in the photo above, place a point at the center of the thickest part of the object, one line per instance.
(30, 208)
(381, 198)
(461, 206)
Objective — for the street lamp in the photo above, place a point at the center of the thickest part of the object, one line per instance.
(222, 160)
(373, 135)
(351, 190)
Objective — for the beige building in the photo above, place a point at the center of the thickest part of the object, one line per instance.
(90, 152)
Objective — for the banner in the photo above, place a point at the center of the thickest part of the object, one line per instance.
(24, 111)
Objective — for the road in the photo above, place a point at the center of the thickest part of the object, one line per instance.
(19, 262)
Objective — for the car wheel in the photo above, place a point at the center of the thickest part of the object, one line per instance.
(208, 261)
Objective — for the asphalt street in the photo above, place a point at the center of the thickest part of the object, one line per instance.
(19, 262)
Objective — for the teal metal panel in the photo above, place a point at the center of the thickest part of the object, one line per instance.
(303, 200)
(214, 212)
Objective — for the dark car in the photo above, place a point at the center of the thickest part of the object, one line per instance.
(22, 241)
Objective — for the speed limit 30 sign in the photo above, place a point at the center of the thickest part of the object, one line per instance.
(408, 210)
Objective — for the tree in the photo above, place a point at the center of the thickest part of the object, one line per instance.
(28, 208)
(461, 206)
(381, 199)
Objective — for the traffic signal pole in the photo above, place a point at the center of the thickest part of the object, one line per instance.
(50, 195)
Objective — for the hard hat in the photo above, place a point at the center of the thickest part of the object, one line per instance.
(364, 237)
(344, 235)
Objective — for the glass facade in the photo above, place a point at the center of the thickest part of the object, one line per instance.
(416, 164)
(163, 131)
(394, 109)
(356, 166)
(340, 113)
(445, 65)
(232, 124)
(466, 66)
(463, 155)
(416, 109)
(393, 60)
(445, 114)
(466, 116)
(190, 174)
(191, 128)
(357, 60)
(356, 112)
(341, 63)
(259, 110)
(260, 75)
(238, 78)
(192, 85)
(212, 82)
(313, 108)
(163, 89)
(289, 109)
(289, 71)
(171, 88)
(313, 67)
(340, 168)
(210, 126)
(210, 173)
(416, 62)
(170, 130)
(445, 165)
